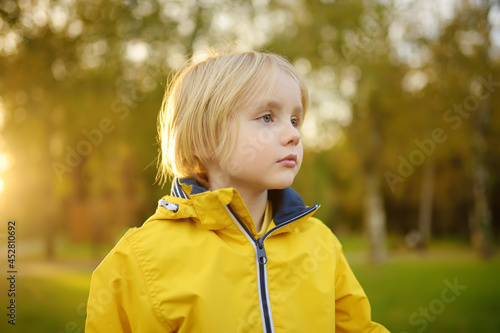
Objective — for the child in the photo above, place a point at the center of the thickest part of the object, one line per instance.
(233, 248)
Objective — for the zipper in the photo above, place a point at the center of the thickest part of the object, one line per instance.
(264, 292)
(261, 252)
(261, 256)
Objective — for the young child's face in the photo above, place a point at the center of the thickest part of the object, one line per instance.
(268, 151)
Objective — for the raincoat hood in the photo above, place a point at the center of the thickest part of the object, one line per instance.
(188, 200)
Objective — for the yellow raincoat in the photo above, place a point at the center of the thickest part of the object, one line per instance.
(197, 265)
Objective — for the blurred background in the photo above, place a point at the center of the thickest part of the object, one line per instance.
(402, 141)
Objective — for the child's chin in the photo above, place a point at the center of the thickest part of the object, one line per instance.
(282, 185)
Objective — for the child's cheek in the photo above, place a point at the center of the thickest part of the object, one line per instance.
(300, 154)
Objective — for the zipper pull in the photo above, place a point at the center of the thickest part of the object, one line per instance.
(261, 252)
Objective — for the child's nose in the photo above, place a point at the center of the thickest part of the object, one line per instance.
(290, 135)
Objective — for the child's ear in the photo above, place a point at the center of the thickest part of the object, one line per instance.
(199, 167)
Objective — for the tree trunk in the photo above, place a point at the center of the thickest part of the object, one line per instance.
(425, 207)
(481, 218)
(480, 223)
(375, 218)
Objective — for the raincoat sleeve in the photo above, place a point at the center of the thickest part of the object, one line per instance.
(352, 308)
(119, 300)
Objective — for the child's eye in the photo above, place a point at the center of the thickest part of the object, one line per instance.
(267, 118)
(295, 122)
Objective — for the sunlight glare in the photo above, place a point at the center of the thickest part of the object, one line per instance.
(136, 51)
(4, 162)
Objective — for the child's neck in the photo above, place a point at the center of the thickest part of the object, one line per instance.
(256, 204)
(255, 200)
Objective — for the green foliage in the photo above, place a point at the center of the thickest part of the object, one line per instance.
(97, 71)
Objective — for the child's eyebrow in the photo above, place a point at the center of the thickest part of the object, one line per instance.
(272, 104)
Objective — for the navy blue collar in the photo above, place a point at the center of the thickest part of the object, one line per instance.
(178, 191)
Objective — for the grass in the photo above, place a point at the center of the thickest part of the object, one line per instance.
(51, 297)
(410, 293)
(415, 296)
(50, 302)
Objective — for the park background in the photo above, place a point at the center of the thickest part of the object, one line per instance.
(402, 141)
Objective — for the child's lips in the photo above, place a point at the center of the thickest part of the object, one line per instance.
(289, 161)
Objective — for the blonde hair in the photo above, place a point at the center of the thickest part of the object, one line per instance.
(200, 102)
